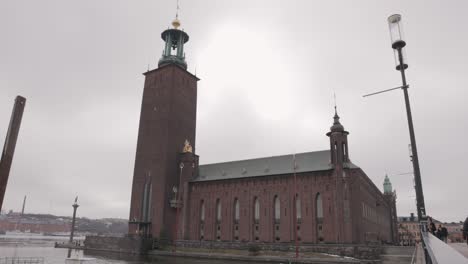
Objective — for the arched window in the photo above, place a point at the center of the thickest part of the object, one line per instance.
(236, 209)
(218, 220)
(202, 220)
(345, 154)
(202, 211)
(276, 226)
(277, 208)
(256, 223)
(256, 209)
(319, 206)
(319, 217)
(218, 210)
(236, 220)
(298, 207)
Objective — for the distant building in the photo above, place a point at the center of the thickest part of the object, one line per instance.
(408, 230)
(454, 231)
(15, 221)
(313, 197)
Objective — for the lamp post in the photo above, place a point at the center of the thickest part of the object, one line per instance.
(75, 206)
(398, 43)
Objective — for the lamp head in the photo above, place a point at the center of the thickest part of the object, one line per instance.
(396, 31)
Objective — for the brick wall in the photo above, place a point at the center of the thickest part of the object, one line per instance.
(362, 213)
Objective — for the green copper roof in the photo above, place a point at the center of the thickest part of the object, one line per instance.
(387, 185)
(306, 162)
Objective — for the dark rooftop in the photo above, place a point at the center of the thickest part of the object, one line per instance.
(306, 162)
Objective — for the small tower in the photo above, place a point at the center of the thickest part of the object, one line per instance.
(174, 48)
(387, 185)
(390, 197)
(338, 142)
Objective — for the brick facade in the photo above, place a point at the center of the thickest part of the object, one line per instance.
(338, 202)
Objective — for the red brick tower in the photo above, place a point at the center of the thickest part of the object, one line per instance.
(167, 127)
(339, 159)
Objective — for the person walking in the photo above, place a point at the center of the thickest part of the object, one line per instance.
(465, 230)
(444, 234)
(439, 232)
(432, 227)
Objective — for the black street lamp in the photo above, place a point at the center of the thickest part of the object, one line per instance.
(398, 43)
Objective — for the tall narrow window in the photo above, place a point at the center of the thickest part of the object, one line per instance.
(344, 151)
(236, 210)
(319, 218)
(257, 209)
(277, 209)
(319, 206)
(218, 220)
(298, 207)
(256, 224)
(298, 218)
(335, 152)
(202, 211)
(218, 210)
(202, 220)
(236, 220)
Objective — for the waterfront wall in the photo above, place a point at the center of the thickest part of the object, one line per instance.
(360, 251)
(128, 244)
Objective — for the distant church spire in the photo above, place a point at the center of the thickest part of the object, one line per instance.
(175, 39)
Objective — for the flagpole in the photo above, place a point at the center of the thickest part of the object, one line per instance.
(296, 196)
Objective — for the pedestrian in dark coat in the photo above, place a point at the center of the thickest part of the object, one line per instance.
(465, 230)
(444, 234)
(439, 232)
(432, 227)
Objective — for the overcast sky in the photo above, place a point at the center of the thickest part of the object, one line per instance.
(268, 71)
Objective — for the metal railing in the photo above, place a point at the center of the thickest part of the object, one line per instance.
(414, 257)
(22, 260)
(437, 251)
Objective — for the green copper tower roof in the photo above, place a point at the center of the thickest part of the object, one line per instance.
(173, 52)
(387, 185)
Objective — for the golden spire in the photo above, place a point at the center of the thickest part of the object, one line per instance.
(176, 21)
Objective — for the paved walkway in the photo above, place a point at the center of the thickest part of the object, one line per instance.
(461, 247)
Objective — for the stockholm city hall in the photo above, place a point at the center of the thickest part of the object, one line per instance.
(312, 197)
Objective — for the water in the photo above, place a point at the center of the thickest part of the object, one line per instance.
(43, 246)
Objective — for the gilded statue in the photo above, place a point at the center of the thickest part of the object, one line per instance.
(187, 147)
